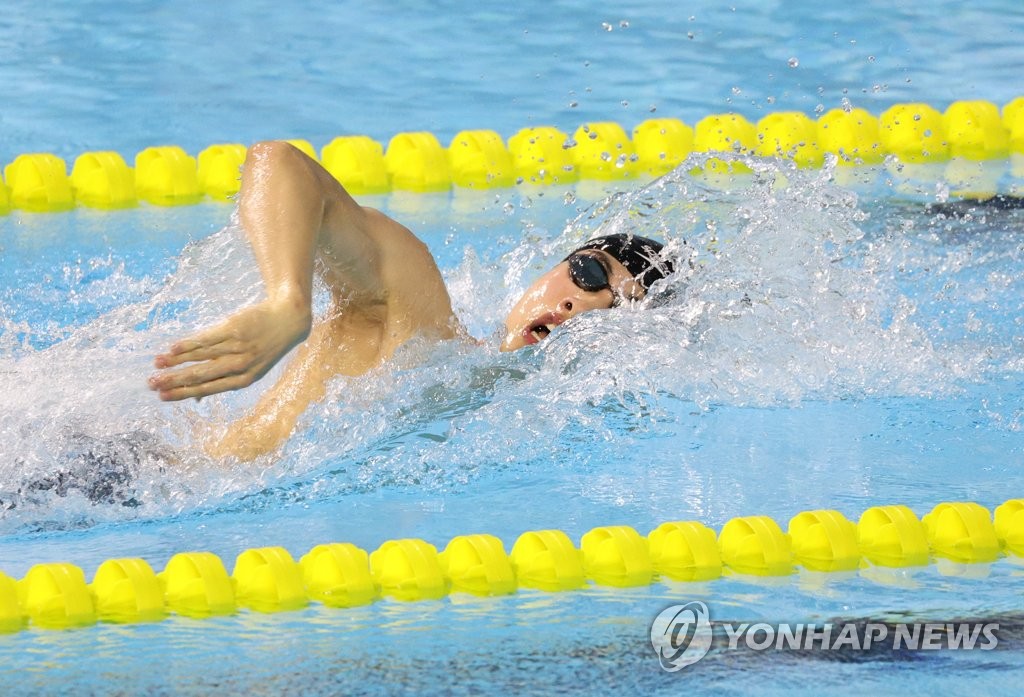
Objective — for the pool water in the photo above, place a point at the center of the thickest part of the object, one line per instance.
(831, 346)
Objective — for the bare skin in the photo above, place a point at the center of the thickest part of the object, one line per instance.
(386, 289)
(554, 298)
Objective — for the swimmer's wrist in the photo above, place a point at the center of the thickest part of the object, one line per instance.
(294, 302)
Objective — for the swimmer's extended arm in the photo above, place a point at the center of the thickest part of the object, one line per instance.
(384, 281)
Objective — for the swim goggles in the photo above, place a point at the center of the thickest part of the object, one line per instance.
(589, 273)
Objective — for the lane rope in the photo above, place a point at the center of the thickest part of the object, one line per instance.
(196, 584)
(969, 137)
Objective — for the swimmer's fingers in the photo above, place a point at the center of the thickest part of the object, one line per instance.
(204, 345)
(191, 350)
(205, 378)
(226, 384)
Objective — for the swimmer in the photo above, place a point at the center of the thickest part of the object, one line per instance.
(386, 289)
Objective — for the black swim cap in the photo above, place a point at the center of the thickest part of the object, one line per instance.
(640, 255)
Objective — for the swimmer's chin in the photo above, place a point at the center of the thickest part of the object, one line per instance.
(514, 341)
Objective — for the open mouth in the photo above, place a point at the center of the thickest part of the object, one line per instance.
(539, 332)
(541, 328)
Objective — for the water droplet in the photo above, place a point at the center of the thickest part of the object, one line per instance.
(569, 198)
(569, 143)
(917, 117)
(586, 64)
(689, 35)
(652, 108)
(606, 156)
(819, 109)
(606, 26)
(793, 62)
(871, 59)
(693, 18)
(927, 133)
(624, 103)
(573, 105)
(770, 100)
(624, 24)
(592, 135)
(735, 90)
(509, 208)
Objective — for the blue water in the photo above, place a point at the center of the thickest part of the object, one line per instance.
(878, 361)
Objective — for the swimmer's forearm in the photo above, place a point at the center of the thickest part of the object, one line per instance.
(272, 419)
(285, 202)
(281, 208)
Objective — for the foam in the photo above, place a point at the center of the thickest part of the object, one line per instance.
(794, 294)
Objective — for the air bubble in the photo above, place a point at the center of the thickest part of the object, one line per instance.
(793, 62)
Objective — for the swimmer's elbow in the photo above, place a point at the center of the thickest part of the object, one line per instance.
(275, 153)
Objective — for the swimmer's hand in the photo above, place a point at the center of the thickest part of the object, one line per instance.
(234, 354)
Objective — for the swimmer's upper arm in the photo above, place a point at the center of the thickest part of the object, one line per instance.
(367, 258)
(377, 258)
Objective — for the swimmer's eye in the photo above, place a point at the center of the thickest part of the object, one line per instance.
(568, 306)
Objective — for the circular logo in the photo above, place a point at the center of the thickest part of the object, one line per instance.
(681, 635)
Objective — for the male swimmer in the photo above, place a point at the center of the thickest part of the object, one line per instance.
(386, 289)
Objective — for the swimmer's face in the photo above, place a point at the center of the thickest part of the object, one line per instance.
(555, 297)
